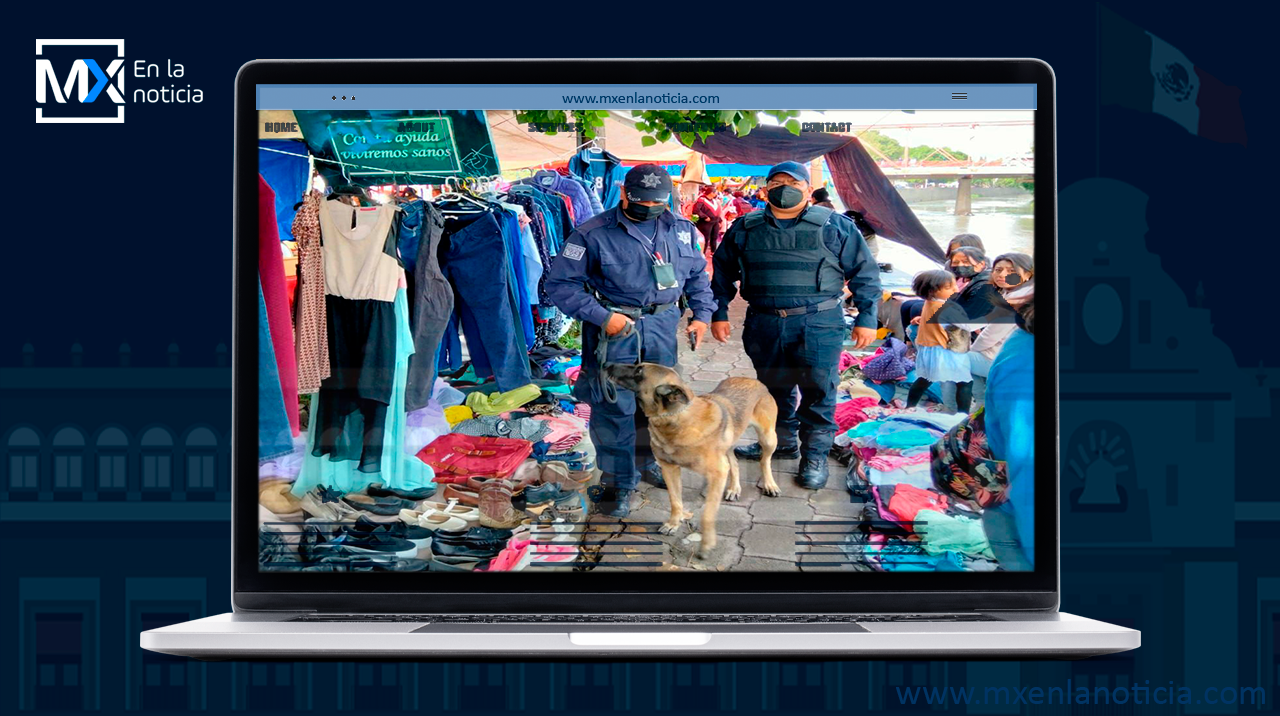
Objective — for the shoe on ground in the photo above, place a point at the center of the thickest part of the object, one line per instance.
(614, 501)
(379, 543)
(813, 473)
(377, 489)
(753, 452)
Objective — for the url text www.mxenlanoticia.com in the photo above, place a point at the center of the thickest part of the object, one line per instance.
(666, 98)
(1140, 694)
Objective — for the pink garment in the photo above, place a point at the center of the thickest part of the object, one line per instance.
(884, 462)
(908, 501)
(275, 293)
(583, 411)
(565, 444)
(846, 359)
(850, 412)
(561, 428)
(572, 373)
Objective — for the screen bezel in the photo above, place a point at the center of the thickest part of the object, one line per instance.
(614, 592)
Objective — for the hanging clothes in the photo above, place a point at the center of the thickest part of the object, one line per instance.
(275, 294)
(476, 261)
(311, 335)
(362, 276)
(429, 293)
(603, 171)
(578, 197)
(396, 469)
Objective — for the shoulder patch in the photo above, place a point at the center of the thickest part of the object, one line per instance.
(684, 235)
(574, 251)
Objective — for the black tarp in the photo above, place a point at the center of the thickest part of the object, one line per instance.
(858, 180)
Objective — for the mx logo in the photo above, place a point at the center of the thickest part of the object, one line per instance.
(86, 82)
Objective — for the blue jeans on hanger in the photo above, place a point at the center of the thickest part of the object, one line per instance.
(478, 266)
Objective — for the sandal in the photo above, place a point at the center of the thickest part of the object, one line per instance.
(453, 509)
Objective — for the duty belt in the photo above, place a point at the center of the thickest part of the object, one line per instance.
(607, 389)
(798, 310)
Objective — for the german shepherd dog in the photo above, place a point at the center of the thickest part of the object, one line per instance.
(698, 432)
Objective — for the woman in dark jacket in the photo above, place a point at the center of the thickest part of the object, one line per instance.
(978, 296)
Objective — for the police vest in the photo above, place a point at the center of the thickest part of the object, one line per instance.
(791, 263)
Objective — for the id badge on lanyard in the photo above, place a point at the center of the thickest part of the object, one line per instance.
(664, 275)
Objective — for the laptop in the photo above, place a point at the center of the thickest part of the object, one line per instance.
(352, 536)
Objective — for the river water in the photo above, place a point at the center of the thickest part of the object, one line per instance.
(1004, 223)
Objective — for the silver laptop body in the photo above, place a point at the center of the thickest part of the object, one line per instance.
(631, 613)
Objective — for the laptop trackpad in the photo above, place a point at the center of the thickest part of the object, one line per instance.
(639, 638)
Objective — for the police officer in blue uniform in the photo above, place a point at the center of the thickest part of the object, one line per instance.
(623, 273)
(793, 261)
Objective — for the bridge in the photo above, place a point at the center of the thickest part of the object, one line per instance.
(940, 164)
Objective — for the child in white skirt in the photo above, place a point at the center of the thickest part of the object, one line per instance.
(935, 363)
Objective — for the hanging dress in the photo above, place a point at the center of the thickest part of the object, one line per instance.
(396, 468)
(362, 277)
(310, 333)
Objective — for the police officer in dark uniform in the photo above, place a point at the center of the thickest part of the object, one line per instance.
(623, 273)
(793, 261)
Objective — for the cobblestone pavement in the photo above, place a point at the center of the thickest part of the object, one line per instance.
(799, 529)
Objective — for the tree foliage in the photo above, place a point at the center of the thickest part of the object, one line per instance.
(661, 125)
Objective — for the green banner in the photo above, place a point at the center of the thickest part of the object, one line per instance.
(383, 146)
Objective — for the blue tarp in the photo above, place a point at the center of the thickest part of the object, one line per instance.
(724, 170)
(287, 176)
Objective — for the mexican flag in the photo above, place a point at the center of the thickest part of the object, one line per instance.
(1140, 71)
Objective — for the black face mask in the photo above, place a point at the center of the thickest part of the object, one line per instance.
(962, 271)
(785, 197)
(641, 212)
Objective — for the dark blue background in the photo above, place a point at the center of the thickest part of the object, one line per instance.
(121, 234)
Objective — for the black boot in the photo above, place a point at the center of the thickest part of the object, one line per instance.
(813, 473)
(752, 452)
(653, 476)
(610, 500)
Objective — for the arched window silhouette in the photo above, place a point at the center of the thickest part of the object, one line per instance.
(23, 449)
(68, 459)
(202, 460)
(157, 459)
(112, 449)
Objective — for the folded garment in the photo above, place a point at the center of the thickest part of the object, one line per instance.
(847, 360)
(572, 374)
(909, 500)
(889, 461)
(917, 475)
(497, 403)
(493, 426)
(458, 454)
(560, 366)
(559, 428)
(942, 533)
(457, 413)
(849, 413)
(913, 437)
(446, 395)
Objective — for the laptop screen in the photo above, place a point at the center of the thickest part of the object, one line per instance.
(569, 328)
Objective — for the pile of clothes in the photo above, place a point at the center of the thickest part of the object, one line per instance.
(908, 525)
(505, 475)
(890, 367)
